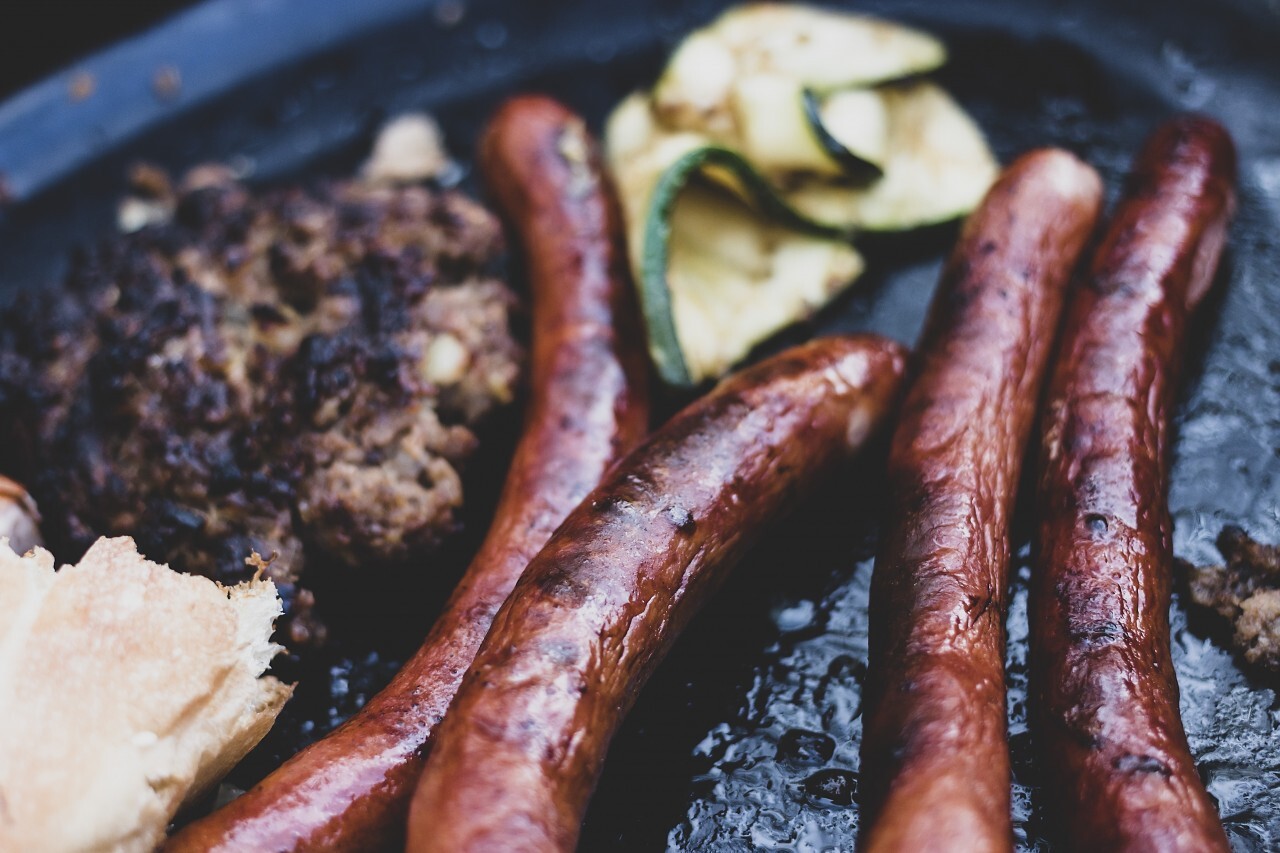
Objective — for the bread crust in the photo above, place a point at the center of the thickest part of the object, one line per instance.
(126, 690)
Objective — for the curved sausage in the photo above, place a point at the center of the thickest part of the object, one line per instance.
(1106, 699)
(520, 752)
(935, 761)
(588, 405)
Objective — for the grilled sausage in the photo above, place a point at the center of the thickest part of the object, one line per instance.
(1105, 695)
(516, 760)
(588, 406)
(935, 760)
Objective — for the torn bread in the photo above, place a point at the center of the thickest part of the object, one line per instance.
(126, 690)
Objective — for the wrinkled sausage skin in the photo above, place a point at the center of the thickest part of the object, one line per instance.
(588, 405)
(517, 758)
(935, 758)
(1105, 694)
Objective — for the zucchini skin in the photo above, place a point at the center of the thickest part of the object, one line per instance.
(1106, 698)
(655, 293)
(855, 168)
(935, 761)
(518, 756)
(588, 405)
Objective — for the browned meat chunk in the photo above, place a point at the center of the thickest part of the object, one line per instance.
(1245, 591)
(296, 372)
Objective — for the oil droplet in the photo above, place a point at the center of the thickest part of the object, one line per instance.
(800, 746)
(838, 787)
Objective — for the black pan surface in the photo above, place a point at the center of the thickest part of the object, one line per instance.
(747, 738)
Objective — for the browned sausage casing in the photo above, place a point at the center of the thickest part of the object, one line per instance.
(1105, 694)
(935, 760)
(588, 405)
(516, 760)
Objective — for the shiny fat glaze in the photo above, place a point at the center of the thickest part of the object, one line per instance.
(935, 757)
(520, 752)
(1103, 686)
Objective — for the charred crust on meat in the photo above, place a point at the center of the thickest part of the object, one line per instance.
(250, 375)
(977, 606)
(1131, 763)
(1098, 633)
(681, 518)
(565, 586)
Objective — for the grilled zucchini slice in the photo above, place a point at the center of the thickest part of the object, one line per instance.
(818, 49)
(718, 270)
(773, 135)
(937, 166)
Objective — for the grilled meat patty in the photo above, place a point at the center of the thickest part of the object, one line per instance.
(294, 373)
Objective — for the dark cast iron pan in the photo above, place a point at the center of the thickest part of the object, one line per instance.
(747, 738)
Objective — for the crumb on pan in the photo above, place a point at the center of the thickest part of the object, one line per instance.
(1245, 591)
(408, 149)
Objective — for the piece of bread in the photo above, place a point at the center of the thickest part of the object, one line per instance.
(126, 690)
